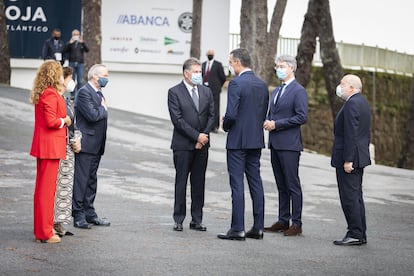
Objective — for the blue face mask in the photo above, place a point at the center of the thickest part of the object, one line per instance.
(281, 73)
(102, 81)
(196, 78)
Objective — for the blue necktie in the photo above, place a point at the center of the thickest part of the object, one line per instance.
(279, 92)
(100, 95)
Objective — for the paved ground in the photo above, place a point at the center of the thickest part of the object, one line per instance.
(135, 192)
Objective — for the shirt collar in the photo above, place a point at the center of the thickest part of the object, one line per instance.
(245, 70)
(189, 87)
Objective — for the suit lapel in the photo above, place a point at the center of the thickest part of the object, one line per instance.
(188, 97)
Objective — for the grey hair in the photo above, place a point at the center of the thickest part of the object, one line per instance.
(242, 55)
(290, 60)
(354, 81)
(94, 70)
(190, 62)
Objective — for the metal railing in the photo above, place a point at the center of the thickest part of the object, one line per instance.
(352, 56)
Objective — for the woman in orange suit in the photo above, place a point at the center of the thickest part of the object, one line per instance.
(48, 145)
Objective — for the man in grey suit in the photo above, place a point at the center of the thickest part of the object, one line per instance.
(191, 108)
(247, 101)
(350, 155)
(91, 118)
(288, 111)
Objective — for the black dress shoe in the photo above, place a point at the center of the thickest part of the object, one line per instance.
(348, 241)
(255, 234)
(81, 224)
(178, 227)
(99, 221)
(232, 235)
(197, 226)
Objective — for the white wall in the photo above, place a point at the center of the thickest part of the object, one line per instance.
(143, 88)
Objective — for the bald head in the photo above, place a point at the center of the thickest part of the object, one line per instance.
(353, 81)
(350, 85)
(210, 54)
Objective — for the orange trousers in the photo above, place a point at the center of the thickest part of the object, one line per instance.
(44, 197)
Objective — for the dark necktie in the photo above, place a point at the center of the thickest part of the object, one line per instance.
(207, 72)
(194, 96)
(101, 96)
(279, 92)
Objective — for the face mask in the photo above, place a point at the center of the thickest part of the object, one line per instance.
(102, 81)
(196, 78)
(62, 80)
(56, 37)
(70, 86)
(75, 37)
(281, 73)
(231, 69)
(210, 57)
(339, 91)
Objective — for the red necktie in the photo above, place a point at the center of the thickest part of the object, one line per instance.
(207, 72)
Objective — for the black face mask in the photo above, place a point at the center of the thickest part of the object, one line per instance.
(210, 57)
(56, 37)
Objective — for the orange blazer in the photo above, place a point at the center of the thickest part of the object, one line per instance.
(49, 139)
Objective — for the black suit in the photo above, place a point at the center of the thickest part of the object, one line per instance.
(91, 119)
(188, 124)
(51, 47)
(351, 144)
(215, 80)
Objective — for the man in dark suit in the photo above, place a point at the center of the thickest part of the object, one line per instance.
(350, 155)
(91, 118)
(191, 108)
(214, 77)
(288, 110)
(247, 101)
(53, 47)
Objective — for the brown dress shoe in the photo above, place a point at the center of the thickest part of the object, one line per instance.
(294, 230)
(277, 227)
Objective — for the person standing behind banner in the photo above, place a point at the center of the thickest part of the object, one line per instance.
(214, 78)
(53, 47)
(91, 114)
(247, 101)
(75, 50)
(48, 145)
(64, 187)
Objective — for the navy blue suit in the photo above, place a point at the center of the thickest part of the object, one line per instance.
(285, 143)
(247, 101)
(188, 124)
(91, 119)
(351, 144)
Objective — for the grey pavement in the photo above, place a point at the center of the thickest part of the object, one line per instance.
(135, 191)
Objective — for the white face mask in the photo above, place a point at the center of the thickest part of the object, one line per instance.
(70, 86)
(62, 80)
(339, 91)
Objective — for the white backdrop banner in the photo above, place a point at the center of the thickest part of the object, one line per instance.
(156, 31)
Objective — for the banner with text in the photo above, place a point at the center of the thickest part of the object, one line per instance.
(30, 22)
(156, 31)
